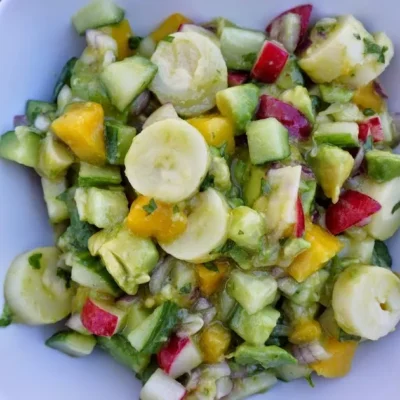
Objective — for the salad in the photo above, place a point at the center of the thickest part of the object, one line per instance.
(220, 198)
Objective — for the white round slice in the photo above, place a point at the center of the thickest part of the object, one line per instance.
(191, 70)
(164, 112)
(37, 295)
(366, 301)
(206, 230)
(168, 161)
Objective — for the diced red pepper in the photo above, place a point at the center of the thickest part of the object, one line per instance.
(301, 222)
(294, 121)
(352, 208)
(167, 355)
(236, 78)
(270, 62)
(304, 12)
(371, 126)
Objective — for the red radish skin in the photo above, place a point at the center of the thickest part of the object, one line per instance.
(352, 208)
(97, 320)
(167, 355)
(294, 121)
(304, 12)
(236, 78)
(371, 126)
(270, 62)
(363, 131)
(301, 222)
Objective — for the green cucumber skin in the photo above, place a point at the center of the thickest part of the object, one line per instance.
(36, 107)
(65, 77)
(118, 141)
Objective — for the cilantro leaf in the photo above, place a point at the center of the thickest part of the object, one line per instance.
(211, 266)
(208, 182)
(6, 316)
(168, 39)
(134, 42)
(381, 256)
(66, 275)
(175, 209)
(396, 207)
(357, 36)
(186, 289)
(241, 232)
(369, 112)
(34, 260)
(371, 47)
(151, 207)
(250, 58)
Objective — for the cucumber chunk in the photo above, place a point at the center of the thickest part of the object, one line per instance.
(72, 343)
(342, 134)
(96, 14)
(64, 78)
(125, 80)
(56, 208)
(245, 387)
(155, 330)
(383, 166)
(334, 93)
(93, 175)
(268, 141)
(290, 372)
(291, 75)
(34, 108)
(118, 140)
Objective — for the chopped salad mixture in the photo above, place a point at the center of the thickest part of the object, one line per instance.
(220, 198)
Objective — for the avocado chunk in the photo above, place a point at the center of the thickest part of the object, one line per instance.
(341, 134)
(382, 166)
(127, 257)
(332, 166)
(257, 328)
(266, 356)
(299, 98)
(121, 350)
(253, 185)
(334, 93)
(268, 141)
(253, 292)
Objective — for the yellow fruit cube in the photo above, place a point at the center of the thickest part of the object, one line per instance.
(340, 363)
(168, 26)
(324, 246)
(214, 342)
(366, 97)
(81, 127)
(211, 277)
(305, 332)
(217, 130)
(121, 33)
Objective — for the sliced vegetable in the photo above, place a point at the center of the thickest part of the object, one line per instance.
(118, 140)
(164, 112)
(372, 126)
(94, 175)
(56, 209)
(257, 383)
(237, 78)
(162, 387)
(341, 134)
(299, 98)
(72, 343)
(201, 31)
(214, 342)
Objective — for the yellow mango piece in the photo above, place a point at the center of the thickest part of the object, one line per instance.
(209, 279)
(169, 25)
(81, 127)
(121, 33)
(305, 332)
(340, 363)
(366, 97)
(324, 246)
(214, 342)
(217, 130)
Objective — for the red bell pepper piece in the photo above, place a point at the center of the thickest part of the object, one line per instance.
(352, 208)
(270, 62)
(294, 121)
(301, 222)
(236, 78)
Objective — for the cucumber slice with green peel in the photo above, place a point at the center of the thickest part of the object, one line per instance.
(299, 98)
(245, 387)
(268, 141)
(290, 372)
(239, 104)
(255, 329)
(218, 24)
(64, 78)
(207, 228)
(253, 185)
(168, 161)
(291, 75)
(164, 112)
(56, 209)
(34, 292)
(386, 221)
(100, 207)
(382, 166)
(125, 80)
(343, 113)
(252, 292)
(96, 14)
(155, 330)
(307, 194)
(89, 271)
(34, 108)
(120, 349)
(22, 148)
(54, 158)
(72, 343)
(93, 175)
(118, 140)
(191, 70)
(334, 93)
(341, 134)
(137, 313)
(75, 323)
(240, 47)
(361, 250)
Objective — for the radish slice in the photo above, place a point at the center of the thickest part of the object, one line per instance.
(304, 12)
(200, 30)
(236, 78)
(270, 62)
(352, 208)
(363, 131)
(300, 223)
(294, 121)
(160, 386)
(371, 126)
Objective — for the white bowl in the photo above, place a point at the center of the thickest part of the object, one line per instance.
(36, 38)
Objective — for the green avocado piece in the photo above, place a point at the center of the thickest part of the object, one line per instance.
(332, 93)
(382, 166)
(299, 98)
(332, 166)
(267, 356)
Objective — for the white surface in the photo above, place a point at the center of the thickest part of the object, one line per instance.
(36, 39)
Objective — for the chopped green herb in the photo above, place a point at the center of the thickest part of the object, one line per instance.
(310, 381)
(186, 289)
(6, 316)
(381, 57)
(66, 275)
(211, 266)
(235, 202)
(151, 207)
(265, 186)
(222, 150)
(345, 337)
(208, 182)
(34, 260)
(396, 207)
(175, 209)
(225, 248)
(168, 39)
(134, 42)
(372, 48)
(381, 256)
(241, 232)
(357, 36)
(368, 112)
(250, 58)
(321, 29)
